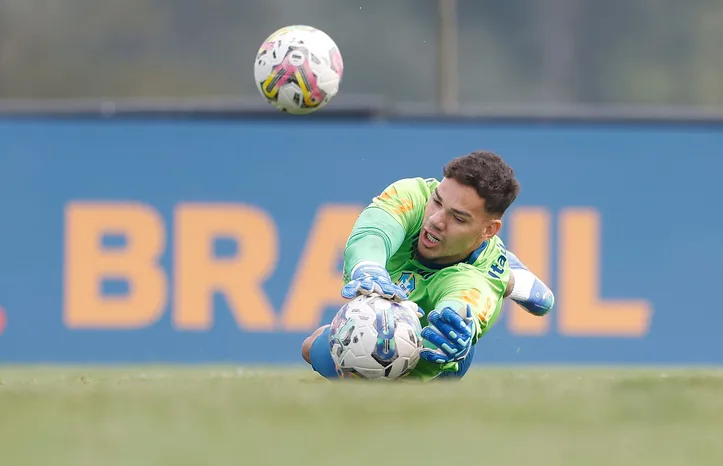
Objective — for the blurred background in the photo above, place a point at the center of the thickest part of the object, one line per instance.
(169, 239)
(610, 113)
(510, 54)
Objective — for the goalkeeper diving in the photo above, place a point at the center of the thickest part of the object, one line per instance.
(435, 244)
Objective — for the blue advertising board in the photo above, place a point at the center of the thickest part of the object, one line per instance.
(186, 241)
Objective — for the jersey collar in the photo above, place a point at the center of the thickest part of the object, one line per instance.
(471, 259)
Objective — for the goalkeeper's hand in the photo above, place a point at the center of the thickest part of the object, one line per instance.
(450, 333)
(369, 278)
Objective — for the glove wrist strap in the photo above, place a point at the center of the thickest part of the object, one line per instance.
(365, 264)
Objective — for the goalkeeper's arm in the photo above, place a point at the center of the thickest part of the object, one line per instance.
(376, 236)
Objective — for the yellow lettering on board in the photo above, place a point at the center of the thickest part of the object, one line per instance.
(198, 274)
(582, 312)
(317, 282)
(530, 240)
(87, 263)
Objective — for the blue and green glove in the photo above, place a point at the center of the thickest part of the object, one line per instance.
(451, 334)
(371, 278)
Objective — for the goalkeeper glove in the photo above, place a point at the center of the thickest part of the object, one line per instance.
(369, 278)
(450, 333)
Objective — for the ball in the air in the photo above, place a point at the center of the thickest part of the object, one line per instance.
(298, 69)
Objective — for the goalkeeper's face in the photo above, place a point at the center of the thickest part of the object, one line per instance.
(455, 223)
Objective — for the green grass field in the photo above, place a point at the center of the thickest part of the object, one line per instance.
(238, 416)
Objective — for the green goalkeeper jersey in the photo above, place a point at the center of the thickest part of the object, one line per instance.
(387, 232)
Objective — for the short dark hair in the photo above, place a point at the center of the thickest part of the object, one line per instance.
(489, 175)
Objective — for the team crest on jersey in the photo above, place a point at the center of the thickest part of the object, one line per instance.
(407, 281)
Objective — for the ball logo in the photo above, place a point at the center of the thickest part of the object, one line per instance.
(296, 58)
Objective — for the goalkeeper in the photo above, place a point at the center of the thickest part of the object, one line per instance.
(435, 244)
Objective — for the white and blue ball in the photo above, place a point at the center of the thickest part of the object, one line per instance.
(375, 338)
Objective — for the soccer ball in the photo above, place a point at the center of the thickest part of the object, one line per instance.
(298, 69)
(375, 338)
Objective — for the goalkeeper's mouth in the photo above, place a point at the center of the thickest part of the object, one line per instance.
(429, 240)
